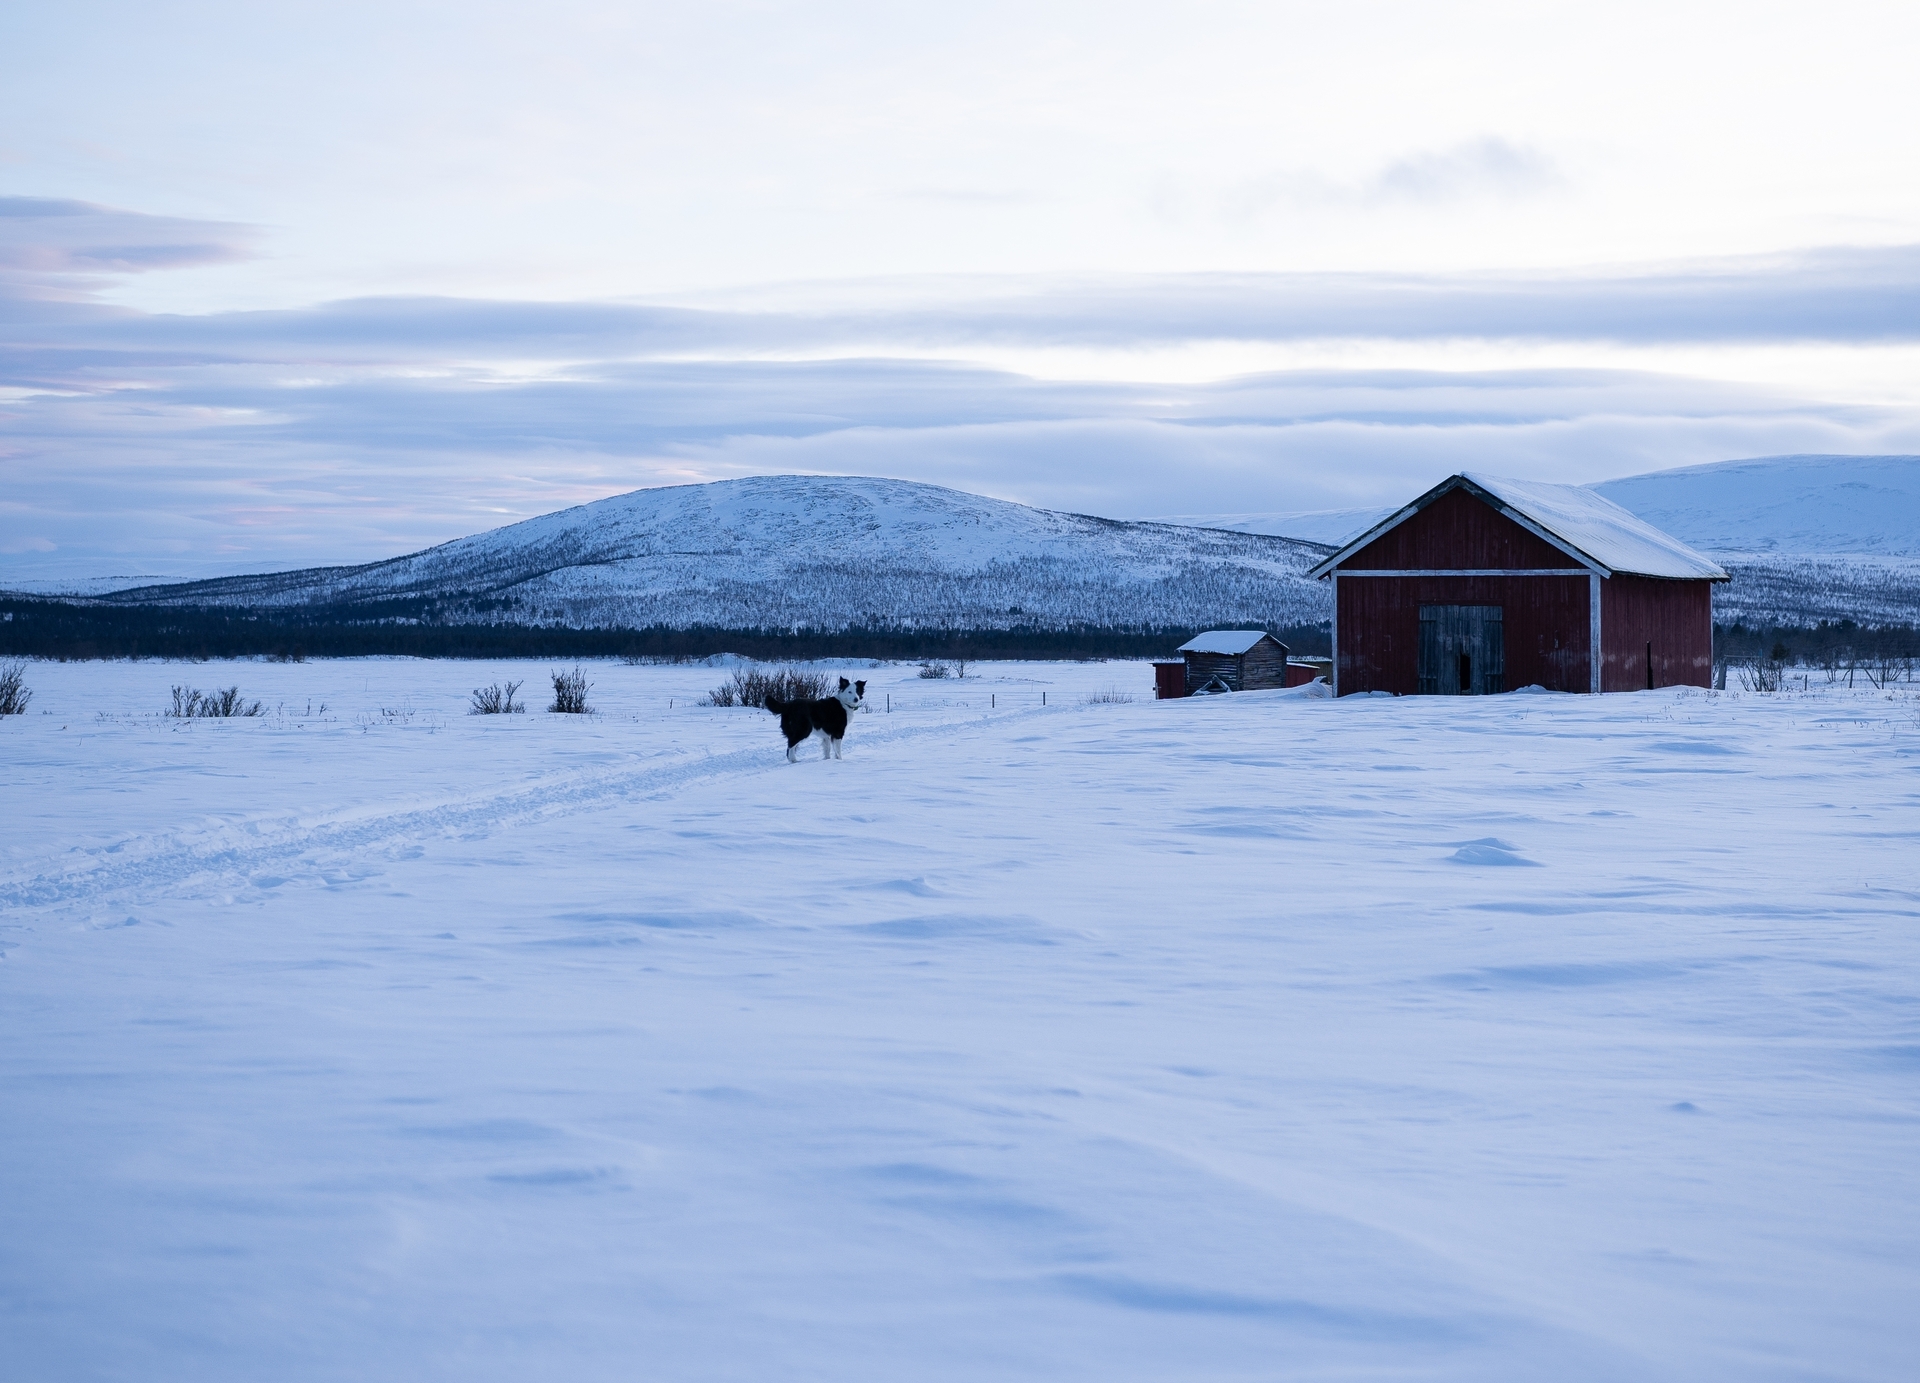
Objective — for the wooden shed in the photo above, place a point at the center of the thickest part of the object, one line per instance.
(1484, 584)
(1243, 660)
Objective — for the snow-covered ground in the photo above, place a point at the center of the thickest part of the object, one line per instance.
(1527, 1037)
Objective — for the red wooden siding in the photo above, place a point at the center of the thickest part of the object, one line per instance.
(1671, 619)
(1547, 625)
(1457, 530)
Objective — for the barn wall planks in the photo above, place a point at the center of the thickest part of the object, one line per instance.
(1546, 628)
(1669, 621)
(1457, 530)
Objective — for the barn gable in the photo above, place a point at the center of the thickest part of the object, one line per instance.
(1572, 526)
(1453, 532)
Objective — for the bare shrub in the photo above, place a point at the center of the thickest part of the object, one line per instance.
(1886, 669)
(935, 671)
(228, 703)
(14, 695)
(190, 704)
(570, 693)
(752, 687)
(1112, 696)
(497, 700)
(1767, 674)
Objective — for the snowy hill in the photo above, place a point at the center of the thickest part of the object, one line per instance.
(823, 552)
(1806, 538)
(1797, 505)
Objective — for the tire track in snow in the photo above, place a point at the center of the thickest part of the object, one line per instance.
(308, 846)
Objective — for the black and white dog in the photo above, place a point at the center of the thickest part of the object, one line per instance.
(826, 718)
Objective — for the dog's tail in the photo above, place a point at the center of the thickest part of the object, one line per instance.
(777, 705)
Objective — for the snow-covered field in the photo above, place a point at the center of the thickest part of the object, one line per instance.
(1527, 1037)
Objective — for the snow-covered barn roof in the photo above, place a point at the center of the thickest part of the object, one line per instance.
(1223, 641)
(1571, 517)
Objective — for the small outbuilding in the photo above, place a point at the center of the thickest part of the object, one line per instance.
(1238, 659)
(1484, 583)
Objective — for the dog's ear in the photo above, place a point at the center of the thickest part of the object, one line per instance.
(844, 684)
(860, 690)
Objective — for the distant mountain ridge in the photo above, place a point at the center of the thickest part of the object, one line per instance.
(819, 552)
(1806, 538)
(1802, 506)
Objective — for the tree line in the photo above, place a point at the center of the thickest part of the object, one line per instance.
(79, 630)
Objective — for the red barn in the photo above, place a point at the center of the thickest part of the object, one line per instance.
(1483, 584)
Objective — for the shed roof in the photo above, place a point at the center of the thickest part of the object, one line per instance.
(1571, 517)
(1224, 641)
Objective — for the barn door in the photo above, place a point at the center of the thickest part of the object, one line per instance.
(1463, 650)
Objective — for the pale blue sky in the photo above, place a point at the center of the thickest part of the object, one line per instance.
(298, 284)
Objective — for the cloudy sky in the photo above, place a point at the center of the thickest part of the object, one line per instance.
(294, 284)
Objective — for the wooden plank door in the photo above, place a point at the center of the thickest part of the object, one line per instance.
(1463, 650)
